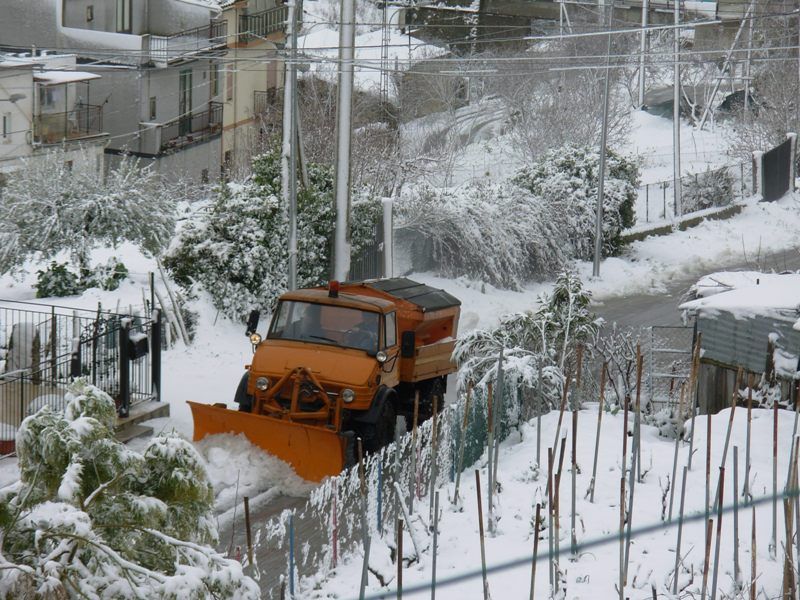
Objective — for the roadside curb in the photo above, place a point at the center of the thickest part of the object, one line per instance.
(712, 214)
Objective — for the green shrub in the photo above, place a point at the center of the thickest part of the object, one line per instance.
(57, 281)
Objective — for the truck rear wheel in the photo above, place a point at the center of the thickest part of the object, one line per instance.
(242, 398)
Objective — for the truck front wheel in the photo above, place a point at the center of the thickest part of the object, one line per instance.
(381, 433)
(242, 398)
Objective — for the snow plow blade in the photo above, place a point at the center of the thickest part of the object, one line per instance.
(314, 452)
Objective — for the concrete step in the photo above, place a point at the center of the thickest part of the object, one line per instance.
(130, 432)
(143, 412)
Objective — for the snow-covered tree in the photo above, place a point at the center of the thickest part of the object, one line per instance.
(237, 249)
(53, 205)
(91, 518)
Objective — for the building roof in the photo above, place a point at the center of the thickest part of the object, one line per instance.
(58, 77)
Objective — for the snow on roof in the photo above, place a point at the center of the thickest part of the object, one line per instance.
(746, 294)
(57, 77)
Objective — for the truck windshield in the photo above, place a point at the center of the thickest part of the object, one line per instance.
(325, 324)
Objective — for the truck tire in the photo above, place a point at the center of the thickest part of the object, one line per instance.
(242, 398)
(437, 388)
(381, 433)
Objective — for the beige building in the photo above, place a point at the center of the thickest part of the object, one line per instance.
(250, 75)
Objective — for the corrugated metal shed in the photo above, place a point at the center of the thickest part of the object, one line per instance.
(735, 342)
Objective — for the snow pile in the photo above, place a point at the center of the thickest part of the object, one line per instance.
(746, 294)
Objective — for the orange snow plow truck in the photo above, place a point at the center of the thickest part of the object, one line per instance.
(340, 363)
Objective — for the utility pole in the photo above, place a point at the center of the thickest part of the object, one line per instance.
(676, 114)
(747, 70)
(289, 145)
(598, 226)
(347, 38)
(643, 52)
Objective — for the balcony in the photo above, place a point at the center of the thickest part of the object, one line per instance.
(84, 121)
(264, 101)
(165, 50)
(259, 25)
(193, 128)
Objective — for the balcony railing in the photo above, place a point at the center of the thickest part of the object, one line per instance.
(190, 129)
(261, 24)
(264, 101)
(85, 120)
(165, 49)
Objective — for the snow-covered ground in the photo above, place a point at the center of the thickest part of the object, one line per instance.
(594, 573)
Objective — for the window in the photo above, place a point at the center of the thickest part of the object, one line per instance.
(326, 324)
(153, 108)
(123, 16)
(7, 127)
(214, 80)
(229, 84)
(391, 330)
(89, 13)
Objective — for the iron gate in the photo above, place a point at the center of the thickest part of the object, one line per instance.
(777, 168)
(668, 362)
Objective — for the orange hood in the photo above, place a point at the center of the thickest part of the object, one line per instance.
(331, 364)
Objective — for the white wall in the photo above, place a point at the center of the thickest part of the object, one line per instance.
(18, 143)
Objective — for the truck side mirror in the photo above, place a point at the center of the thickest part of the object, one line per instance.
(407, 343)
(252, 322)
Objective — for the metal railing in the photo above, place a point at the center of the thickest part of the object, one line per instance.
(191, 128)
(707, 189)
(85, 120)
(668, 361)
(264, 101)
(165, 49)
(44, 347)
(262, 23)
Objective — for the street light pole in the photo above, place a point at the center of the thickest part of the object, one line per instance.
(598, 227)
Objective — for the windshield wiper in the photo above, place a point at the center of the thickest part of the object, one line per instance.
(319, 337)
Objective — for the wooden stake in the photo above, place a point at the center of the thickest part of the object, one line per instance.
(399, 559)
(707, 557)
(735, 395)
(412, 483)
(435, 544)
(561, 410)
(673, 483)
(462, 442)
(622, 537)
(557, 501)
(693, 392)
(434, 450)
(489, 450)
(737, 572)
(535, 547)
(746, 491)
(550, 526)
(719, 533)
(249, 532)
(578, 370)
(708, 474)
(753, 571)
(480, 530)
(773, 547)
(335, 532)
(635, 459)
(540, 410)
(680, 532)
(597, 435)
(573, 537)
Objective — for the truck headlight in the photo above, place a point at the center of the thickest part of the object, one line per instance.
(381, 356)
(255, 339)
(348, 395)
(262, 383)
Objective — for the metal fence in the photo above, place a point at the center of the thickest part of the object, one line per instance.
(368, 264)
(261, 24)
(699, 191)
(44, 347)
(84, 120)
(777, 170)
(191, 128)
(163, 49)
(668, 361)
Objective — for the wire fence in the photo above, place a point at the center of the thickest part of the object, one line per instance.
(699, 191)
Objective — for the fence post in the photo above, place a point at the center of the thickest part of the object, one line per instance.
(124, 368)
(53, 342)
(758, 173)
(792, 155)
(75, 359)
(155, 353)
(388, 237)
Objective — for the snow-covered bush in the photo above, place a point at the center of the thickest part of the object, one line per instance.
(539, 347)
(49, 207)
(706, 190)
(237, 249)
(57, 280)
(527, 228)
(91, 518)
(567, 179)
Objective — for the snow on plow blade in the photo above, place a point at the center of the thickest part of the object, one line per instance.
(314, 452)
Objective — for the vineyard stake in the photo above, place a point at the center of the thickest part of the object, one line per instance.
(680, 532)
(597, 435)
(480, 530)
(462, 442)
(719, 534)
(535, 547)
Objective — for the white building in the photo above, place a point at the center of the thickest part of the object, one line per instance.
(45, 102)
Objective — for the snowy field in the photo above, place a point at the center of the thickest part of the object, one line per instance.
(594, 573)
